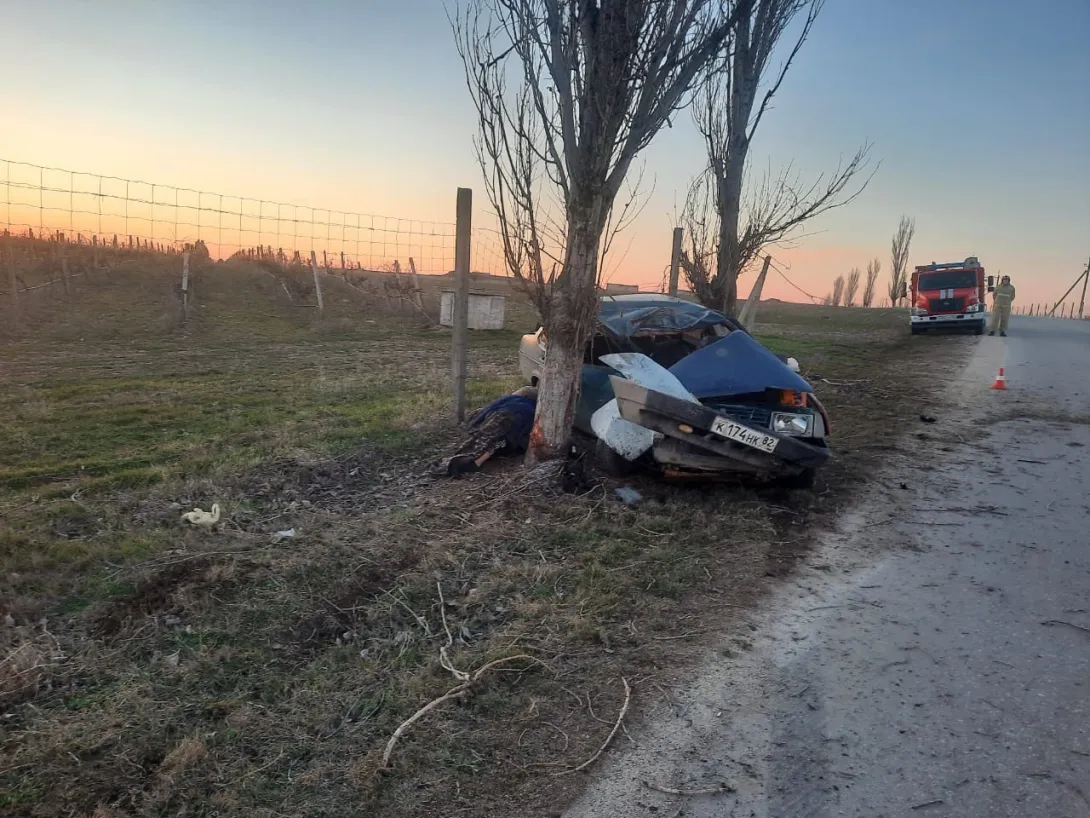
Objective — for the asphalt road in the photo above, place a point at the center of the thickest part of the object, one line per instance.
(933, 657)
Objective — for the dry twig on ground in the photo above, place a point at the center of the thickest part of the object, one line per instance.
(609, 738)
(459, 691)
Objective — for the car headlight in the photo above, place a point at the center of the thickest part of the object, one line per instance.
(787, 423)
(919, 311)
(975, 308)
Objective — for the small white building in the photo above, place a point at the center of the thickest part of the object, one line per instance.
(613, 288)
(486, 310)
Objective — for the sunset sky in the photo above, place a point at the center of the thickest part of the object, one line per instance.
(978, 111)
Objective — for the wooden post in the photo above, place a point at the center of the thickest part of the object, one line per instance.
(675, 259)
(1082, 299)
(416, 286)
(62, 250)
(317, 282)
(460, 318)
(748, 317)
(185, 287)
(12, 285)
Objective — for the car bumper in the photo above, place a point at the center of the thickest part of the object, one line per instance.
(703, 450)
(965, 318)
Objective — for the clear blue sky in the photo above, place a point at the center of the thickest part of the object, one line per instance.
(978, 110)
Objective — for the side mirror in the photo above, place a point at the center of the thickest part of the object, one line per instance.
(991, 284)
(904, 291)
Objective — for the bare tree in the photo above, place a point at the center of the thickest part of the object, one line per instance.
(874, 267)
(851, 288)
(726, 234)
(838, 291)
(902, 241)
(568, 92)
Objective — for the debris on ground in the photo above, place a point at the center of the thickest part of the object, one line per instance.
(928, 419)
(204, 519)
(629, 496)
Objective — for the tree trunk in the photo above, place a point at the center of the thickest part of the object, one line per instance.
(730, 197)
(568, 329)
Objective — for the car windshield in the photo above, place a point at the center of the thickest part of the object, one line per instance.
(664, 330)
(948, 280)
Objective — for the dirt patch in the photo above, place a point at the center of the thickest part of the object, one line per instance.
(153, 596)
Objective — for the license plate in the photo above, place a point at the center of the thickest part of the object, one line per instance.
(744, 435)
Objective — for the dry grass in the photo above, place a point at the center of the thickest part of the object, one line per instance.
(149, 669)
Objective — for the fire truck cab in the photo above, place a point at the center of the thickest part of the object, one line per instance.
(950, 296)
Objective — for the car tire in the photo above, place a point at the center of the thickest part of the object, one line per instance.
(804, 480)
(610, 462)
(978, 330)
(918, 330)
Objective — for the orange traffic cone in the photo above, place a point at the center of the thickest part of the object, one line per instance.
(1000, 380)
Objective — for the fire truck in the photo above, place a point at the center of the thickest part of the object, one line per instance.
(950, 296)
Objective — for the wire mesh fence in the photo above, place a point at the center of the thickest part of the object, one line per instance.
(87, 208)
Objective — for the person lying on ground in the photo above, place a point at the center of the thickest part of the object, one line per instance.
(503, 426)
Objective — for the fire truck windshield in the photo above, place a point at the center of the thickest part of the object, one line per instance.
(947, 280)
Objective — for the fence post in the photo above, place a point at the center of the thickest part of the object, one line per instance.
(185, 287)
(460, 340)
(10, 254)
(748, 317)
(416, 285)
(317, 282)
(62, 250)
(675, 259)
(1082, 298)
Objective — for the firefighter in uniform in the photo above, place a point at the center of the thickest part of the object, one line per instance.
(1002, 299)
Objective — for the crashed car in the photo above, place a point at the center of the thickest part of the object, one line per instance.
(687, 391)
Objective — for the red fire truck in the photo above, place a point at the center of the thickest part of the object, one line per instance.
(950, 296)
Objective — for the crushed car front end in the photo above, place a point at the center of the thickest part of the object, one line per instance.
(715, 437)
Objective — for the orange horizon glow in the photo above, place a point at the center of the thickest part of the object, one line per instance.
(85, 205)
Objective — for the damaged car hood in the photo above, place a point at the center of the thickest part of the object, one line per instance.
(735, 365)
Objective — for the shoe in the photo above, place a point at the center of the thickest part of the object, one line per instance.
(461, 464)
(992, 332)
(1002, 335)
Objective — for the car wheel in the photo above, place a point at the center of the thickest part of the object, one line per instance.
(978, 330)
(917, 330)
(804, 480)
(610, 462)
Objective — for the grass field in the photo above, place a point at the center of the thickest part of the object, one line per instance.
(149, 669)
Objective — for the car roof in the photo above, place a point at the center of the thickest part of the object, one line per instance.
(637, 297)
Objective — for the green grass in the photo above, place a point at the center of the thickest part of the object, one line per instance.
(253, 677)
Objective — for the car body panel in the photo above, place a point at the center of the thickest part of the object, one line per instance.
(735, 365)
(630, 440)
